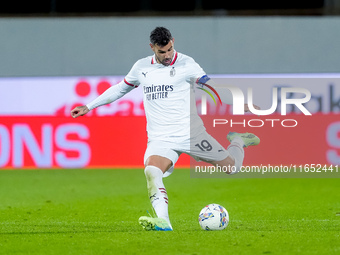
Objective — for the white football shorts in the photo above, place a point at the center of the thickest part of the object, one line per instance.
(202, 148)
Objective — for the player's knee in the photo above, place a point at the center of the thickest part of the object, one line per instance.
(160, 162)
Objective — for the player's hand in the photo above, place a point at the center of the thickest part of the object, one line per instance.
(79, 111)
(246, 107)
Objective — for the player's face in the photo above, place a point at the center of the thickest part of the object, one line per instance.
(164, 54)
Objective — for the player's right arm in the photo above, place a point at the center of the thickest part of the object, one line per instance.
(111, 94)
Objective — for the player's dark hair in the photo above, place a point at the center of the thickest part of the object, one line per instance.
(160, 36)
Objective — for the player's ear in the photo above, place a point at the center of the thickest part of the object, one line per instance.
(152, 46)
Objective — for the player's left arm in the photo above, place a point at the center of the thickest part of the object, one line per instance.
(224, 93)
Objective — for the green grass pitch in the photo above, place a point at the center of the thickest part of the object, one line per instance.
(97, 211)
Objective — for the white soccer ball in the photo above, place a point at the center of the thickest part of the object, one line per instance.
(213, 217)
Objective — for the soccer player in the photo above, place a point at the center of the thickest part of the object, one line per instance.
(166, 81)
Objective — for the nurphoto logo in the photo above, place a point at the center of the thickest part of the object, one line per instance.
(238, 99)
(232, 94)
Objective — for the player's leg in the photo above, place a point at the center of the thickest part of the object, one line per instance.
(157, 167)
(236, 152)
(205, 148)
(154, 170)
(234, 159)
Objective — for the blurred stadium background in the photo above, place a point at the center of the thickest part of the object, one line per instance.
(58, 54)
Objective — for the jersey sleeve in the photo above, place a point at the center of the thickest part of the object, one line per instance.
(131, 78)
(195, 71)
(117, 91)
(110, 95)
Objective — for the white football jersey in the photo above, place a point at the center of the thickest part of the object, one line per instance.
(167, 91)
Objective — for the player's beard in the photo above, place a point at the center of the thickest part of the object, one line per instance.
(165, 62)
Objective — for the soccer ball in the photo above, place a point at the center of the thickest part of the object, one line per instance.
(213, 217)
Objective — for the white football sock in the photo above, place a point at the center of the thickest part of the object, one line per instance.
(157, 192)
(236, 151)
